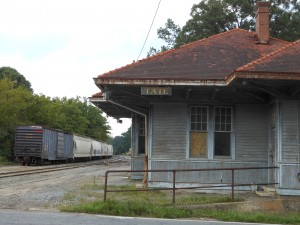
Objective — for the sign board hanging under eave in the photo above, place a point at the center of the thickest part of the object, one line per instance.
(156, 91)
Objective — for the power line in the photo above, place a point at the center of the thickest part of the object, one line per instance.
(149, 31)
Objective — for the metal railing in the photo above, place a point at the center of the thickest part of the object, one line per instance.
(232, 184)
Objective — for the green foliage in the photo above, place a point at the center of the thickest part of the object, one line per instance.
(285, 20)
(13, 107)
(44, 111)
(15, 76)
(210, 17)
(157, 204)
(19, 106)
(122, 144)
(251, 217)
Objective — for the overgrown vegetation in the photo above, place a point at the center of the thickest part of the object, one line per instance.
(158, 204)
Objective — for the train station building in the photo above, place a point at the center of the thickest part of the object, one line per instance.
(228, 101)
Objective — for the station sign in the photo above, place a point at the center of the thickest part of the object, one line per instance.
(156, 91)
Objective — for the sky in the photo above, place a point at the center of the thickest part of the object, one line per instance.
(61, 45)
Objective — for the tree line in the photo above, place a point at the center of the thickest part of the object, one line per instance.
(210, 17)
(20, 106)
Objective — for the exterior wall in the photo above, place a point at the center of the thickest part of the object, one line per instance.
(252, 132)
(170, 146)
(290, 131)
(289, 148)
(205, 178)
(169, 127)
(259, 131)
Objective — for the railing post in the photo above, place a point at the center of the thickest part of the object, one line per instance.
(105, 185)
(174, 187)
(232, 184)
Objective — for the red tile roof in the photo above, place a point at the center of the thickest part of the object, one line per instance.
(213, 58)
(286, 59)
(98, 95)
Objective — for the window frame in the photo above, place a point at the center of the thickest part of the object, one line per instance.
(198, 123)
(223, 128)
(211, 131)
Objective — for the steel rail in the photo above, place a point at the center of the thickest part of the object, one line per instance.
(47, 170)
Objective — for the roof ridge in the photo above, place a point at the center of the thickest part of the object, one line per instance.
(213, 36)
(270, 55)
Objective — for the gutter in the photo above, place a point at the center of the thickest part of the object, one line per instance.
(145, 179)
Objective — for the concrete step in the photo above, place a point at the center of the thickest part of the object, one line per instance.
(268, 189)
(265, 193)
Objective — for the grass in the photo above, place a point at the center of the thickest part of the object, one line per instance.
(158, 204)
(4, 161)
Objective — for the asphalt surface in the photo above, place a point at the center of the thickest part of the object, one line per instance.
(13, 217)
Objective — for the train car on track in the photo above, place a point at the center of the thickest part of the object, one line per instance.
(37, 144)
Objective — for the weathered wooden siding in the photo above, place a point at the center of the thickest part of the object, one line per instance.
(211, 177)
(137, 161)
(290, 179)
(252, 132)
(290, 131)
(134, 132)
(289, 159)
(169, 131)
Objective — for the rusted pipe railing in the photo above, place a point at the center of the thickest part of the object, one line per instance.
(232, 185)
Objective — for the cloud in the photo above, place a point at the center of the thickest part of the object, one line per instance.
(60, 45)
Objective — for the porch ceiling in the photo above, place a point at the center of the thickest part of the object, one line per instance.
(240, 91)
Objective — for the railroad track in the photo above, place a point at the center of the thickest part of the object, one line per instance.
(46, 170)
(62, 167)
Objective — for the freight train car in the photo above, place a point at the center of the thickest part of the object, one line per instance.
(36, 145)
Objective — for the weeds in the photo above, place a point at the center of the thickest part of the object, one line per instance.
(157, 204)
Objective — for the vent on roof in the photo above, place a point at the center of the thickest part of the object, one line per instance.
(262, 22)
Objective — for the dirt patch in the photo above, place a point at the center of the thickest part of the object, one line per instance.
(45, 191)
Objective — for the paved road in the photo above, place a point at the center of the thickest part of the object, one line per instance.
(12, 217)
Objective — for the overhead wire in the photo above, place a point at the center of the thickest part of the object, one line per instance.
(149, 30)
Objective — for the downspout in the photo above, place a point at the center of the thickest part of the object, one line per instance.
(145, 179)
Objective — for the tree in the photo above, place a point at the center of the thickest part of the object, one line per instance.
(13, 111)
(121, 144)
(44, 111)
(211, 17)
(15, 76)
(285, 20)
(78, 116)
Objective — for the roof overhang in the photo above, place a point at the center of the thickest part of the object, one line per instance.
(257, 84)
(110, 109)
(203, 82)
(173, 82)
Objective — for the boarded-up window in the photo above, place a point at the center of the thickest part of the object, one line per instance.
(223, 128)
(198, 132)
